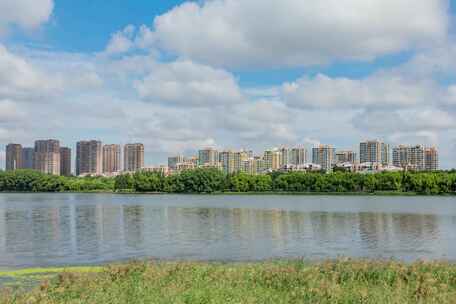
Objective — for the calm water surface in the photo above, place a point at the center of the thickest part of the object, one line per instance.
(71, 229)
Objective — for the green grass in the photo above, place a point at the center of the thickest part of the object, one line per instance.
(267, 282)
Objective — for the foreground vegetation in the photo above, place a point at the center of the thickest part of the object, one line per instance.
(215, 181)
(269, 282)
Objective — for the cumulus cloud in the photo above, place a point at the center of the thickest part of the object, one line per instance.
(406, 120)
(378, 91)
(186, 83)
(296, 32)
(19, 79)
(27, 14)
(121, 41)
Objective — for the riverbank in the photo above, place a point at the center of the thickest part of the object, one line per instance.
(201, 181)
(230, 193)
(266, 282)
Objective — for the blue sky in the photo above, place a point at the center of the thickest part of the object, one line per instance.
(178, 75)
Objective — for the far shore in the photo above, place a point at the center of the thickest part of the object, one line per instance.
(228, 193)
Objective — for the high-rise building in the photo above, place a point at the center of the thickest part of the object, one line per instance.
(47, 156)
(324, 155)
(13, 157)
(133, 157)
(208, 157)
(249, 166)
(111, 158)
(374, 151)
(239, 158)
(174, 160)
(345, 157)
(227, 161)
(260, 165)
(272, 159)
(27, 158)
(89, 157)
(284, 157)
(409, 157)
(65, 161)
(431, 159)
(298, 156)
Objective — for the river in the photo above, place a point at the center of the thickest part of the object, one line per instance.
(39, 230)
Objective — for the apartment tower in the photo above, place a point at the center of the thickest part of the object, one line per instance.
(324, 155)
(133, 157)
(431, 156)
(409, 157)
(298, 156)
(27, 158)
(374, 151)
(89, 157)
(47, 156)
(65, 161)
(345, 157)
(111, 158)
(208, 157)
(13, 157)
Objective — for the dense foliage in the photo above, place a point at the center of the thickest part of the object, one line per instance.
(215, 181)
(33, 181)
(266, 282)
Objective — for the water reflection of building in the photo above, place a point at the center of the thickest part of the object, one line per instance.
(133, 223)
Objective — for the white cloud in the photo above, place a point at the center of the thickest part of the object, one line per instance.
(121, 42)
(296, 32)
(27, 14)
(19, 79)
(185, 83)
(378, 91)
(407, 120)
(9, 112)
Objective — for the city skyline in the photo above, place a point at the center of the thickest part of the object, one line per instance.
(127, 72)
(93, 157)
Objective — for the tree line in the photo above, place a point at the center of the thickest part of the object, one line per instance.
(215, 181)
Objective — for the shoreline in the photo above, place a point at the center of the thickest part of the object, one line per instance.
(276, 281)
(265, 193)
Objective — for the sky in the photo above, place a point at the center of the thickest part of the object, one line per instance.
(183, 75)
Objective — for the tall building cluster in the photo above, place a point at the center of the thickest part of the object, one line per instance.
(92, 158)
(374, 156)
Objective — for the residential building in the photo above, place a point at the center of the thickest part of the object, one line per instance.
(208, 157)
(27, 158)
(239, 158)
(174, 160)
(193, 159)
(324, 155)
(374, 151)
(249, 166)
(227, 161)
(111, 159)
(133, 157)
(409, 157)
(13, 157)
(298, 156)
(345, 157)
(260, 165)
(431, 159)
(65, 161)
(89, 158)
(47, 156)
(284, 158)
(272, 159)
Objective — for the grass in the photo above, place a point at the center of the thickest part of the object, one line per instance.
(342, 281)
